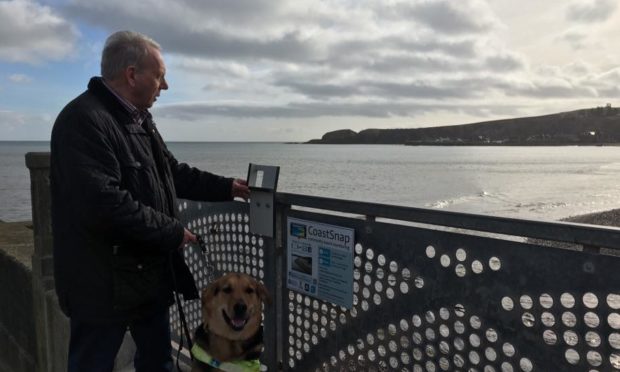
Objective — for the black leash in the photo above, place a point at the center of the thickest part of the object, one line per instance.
(185, 328)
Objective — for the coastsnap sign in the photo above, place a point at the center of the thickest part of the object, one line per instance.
(320, 260)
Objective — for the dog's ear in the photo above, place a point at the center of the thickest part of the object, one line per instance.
(262, 293)
(210, 292)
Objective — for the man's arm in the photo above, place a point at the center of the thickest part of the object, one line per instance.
(195, 184)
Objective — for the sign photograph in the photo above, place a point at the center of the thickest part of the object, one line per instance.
(320, 260)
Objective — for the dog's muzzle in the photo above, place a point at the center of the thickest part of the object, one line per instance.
(239, 319)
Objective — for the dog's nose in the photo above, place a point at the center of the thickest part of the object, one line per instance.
(240, 309)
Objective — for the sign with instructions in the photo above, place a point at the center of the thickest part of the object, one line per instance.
(320, 260)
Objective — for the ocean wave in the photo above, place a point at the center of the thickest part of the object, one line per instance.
(441, 204)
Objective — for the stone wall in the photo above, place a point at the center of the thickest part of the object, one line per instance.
(17, 333)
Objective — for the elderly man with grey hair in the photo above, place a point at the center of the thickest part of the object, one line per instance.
(117, 239)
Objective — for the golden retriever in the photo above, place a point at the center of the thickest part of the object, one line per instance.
(231, 331)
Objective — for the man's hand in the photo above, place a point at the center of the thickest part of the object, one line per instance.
(188, 237)
(240, 189)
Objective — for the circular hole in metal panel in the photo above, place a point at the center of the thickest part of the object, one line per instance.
(404, 288)
(550, 337)
(590, 300)
(546, 301)
(358, 248)
(379, 273)
(614, 359)
(490, 354)
(381, 260)
(569, 319)
(430, 334)
(393, 266)
(459, 344)
(526, 365)
(444, 331)
(593, 339)
(567, 300)
(528, 319)
(614, 340)
(495, 263)
(613, 301)
(416, 338)
(419, 282)
(459, 327)
(491, 335)
(370, 254)
(444, 347)
(591, 319)
(571, 338)
(460, 270)
(614, 320)
(461, 254)
(526, 302)
(430, 366)
(475, 322)
(445, 260)
(430, 317)
(572, 356)
(477, 267)
(547, 319)
(594, 358)
(507, 303)
(508, 349)
(430, 351)
(430, 251)
(474, 340)
(458, 360)
(474, 357)
(404, 342)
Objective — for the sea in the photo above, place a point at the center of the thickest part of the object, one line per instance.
(541, 183)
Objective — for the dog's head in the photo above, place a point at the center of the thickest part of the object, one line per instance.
(232, 306)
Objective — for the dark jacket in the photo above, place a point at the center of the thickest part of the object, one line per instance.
(114, 186)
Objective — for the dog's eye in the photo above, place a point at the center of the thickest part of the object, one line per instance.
(249, 290)
(227, 290)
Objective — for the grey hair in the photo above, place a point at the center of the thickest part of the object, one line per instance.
(123, 49)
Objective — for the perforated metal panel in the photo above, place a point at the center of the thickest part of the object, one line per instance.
(230, 248)
(428, 300)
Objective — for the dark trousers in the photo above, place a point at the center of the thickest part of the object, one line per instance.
(93, 347)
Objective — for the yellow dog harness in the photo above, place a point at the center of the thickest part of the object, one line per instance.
(238, 366)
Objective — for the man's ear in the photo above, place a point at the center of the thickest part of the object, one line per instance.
(130, 75)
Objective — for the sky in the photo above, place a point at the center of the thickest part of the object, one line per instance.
(278, 70)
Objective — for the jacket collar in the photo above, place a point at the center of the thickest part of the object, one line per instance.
(116, 108)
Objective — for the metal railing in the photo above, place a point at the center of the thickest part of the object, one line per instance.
(432, 290)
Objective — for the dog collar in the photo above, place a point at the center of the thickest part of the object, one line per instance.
(237, 366)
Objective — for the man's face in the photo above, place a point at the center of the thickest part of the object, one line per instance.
(149, 80)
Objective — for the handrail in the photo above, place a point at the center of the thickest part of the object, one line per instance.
(586, 235)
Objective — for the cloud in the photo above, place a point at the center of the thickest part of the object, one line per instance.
(20, 78)
(33, 33)
(448, 17)
(24, 126)
(591, 11)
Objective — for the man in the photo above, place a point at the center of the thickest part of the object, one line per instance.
(114, 186)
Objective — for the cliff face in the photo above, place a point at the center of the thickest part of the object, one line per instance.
(590, 126)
